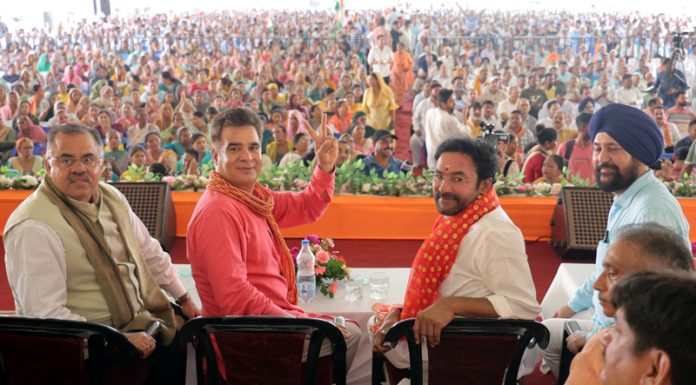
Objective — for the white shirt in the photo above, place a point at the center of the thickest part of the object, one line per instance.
(136, 134)
(492, 264)
(380, 60)
(419, 114)
(440, 126)
(506, 107)
(36, 269)
(632, 96)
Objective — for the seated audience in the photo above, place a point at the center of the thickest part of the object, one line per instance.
(25, 163)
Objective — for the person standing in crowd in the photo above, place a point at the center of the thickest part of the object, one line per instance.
(379, 103)
(381, 58)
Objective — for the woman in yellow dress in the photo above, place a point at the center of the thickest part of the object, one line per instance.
(379, 103)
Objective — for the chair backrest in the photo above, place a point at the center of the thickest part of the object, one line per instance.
(474, 351)
(266, 350)
(48, 351)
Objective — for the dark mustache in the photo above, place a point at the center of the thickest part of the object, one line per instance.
(447, 196)
(79, 176)
(607, 165)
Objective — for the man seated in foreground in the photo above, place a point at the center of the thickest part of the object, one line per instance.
(474, 263)
(652, 342)
(636, 248)
(239, 259)
(75, 250)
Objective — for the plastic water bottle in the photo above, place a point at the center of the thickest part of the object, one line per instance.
(306, 279)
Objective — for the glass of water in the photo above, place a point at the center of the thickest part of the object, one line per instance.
(353, 290)
(379, 286)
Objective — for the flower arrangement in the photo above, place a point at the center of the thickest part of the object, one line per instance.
(350, 179)
(329, 266)
(12, 180)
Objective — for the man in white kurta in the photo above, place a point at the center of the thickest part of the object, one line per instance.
(490, 277)
(440, 125)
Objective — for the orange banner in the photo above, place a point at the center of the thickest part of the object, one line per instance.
(373, 217)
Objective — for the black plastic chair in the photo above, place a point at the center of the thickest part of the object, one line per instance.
(471, 351)
(50, 351)
(264, 347)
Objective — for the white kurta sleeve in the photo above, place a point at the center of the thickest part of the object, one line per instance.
(157, 260)
(36, 270)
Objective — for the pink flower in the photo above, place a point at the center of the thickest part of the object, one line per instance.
(316, 248)
(169, 180)
(323, 257)
(333, 287)
(293, 253)
(313, 239)
(319, 270)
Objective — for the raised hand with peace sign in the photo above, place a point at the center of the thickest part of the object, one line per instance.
(325, 145)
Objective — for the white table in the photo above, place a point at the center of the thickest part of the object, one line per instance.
(360, 311)
(568, 279)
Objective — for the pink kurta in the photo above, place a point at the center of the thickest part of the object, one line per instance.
(233, 258)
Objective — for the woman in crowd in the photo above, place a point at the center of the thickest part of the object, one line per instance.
(402, 76)
(138, 161)
(547, 139)
(341, 121)
(199, 143)
(156, 154)
(25, 163)
(279, 146)
(24, 110)
(295, 123)
(27, 129)
(104, 124)
(166, 116)
(300, 148)
(114, 152)
(552, 170)
(379, 104)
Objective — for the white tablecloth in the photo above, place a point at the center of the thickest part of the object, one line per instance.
(568, 279)
(360, 311)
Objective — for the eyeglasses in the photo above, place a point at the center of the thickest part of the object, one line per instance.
(88, 161)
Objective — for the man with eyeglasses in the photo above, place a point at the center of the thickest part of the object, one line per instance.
(75, 250)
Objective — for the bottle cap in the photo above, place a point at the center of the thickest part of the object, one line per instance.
(305, 242)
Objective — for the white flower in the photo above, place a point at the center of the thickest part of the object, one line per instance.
(29, 181)
(366, 187)
(377, 187)
(556, 188)
(542, 187)
(498, 184)
(6, 182)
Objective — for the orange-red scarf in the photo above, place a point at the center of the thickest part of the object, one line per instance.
(261, 203)
(439, 251)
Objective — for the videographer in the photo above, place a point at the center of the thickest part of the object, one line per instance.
(670, 82)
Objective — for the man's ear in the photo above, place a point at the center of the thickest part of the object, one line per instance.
(659, 371)
(214, 154)
(485, 185)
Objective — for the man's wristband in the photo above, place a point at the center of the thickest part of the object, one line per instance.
(183, 299)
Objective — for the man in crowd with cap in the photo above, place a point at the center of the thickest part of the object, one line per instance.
(626, 142)
(383, 159)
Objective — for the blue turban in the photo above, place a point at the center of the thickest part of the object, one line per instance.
(584, 103)
(632, 128)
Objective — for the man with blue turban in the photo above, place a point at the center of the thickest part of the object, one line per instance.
(626, 141)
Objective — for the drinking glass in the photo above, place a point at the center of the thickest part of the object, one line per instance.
(353, 291)
(379, 286)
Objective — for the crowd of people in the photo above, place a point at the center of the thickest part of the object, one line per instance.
(164, 79)
(177, 94)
